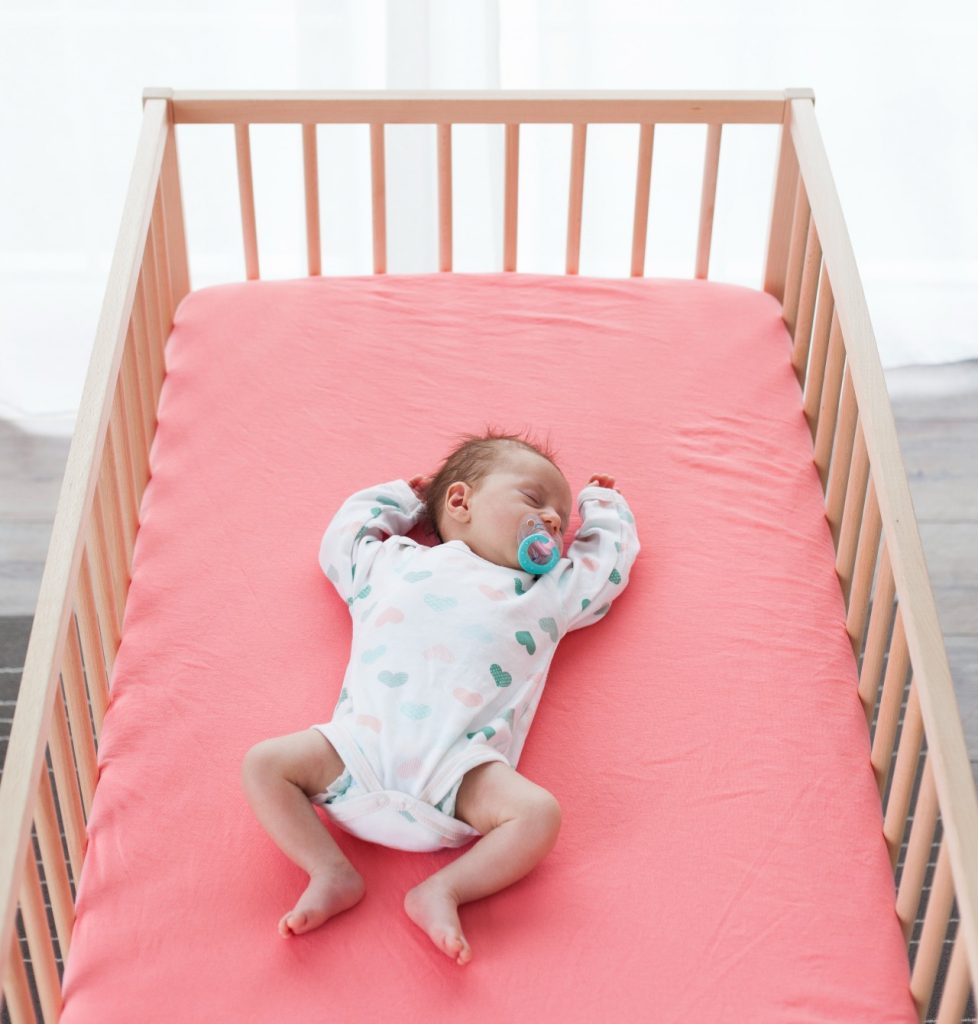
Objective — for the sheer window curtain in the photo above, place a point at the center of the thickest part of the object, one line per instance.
(888, 79)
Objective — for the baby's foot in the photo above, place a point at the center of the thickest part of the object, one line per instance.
(434, 910)
(329, 892)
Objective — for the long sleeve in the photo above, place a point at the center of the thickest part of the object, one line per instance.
(597, 564)
(357, 533)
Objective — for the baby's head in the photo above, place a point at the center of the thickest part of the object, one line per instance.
(485, 489)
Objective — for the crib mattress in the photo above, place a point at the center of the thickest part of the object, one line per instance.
(721, 855)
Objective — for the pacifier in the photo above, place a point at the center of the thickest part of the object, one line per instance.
(539, 550)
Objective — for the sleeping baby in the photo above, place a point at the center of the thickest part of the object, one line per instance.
(450, 651)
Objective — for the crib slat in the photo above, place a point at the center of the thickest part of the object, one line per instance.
(142, 368)
(82, 738)
(149, 319)
(954, 995)
(16, 989)
(154, 276)
(97, 557)
(908, 755)
(841, 456)
(91, 644)
(66, 782)
(511, 203)
(879, 625)
(135, 419)
(708, 199)
(444, 197)
(176, 240)
(643, 188)
(806, 303)
(800, 222)
(38, 934)
(310, 170)
(932, 936)
(828, 406)
(106, 512)
(122, 473)
(889, 713)
(779, 236)
(870, 531)
(575, 205)
(918, 852)
(55, 868)
(151, 356)
(246, 194)
(853, 512)
(814, 376)
(378, 197)
(161, 259)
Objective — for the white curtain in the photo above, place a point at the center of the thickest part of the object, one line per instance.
(892, 81)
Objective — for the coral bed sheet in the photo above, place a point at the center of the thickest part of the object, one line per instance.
(721, 855)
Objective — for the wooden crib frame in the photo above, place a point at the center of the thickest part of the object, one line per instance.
(921, 763)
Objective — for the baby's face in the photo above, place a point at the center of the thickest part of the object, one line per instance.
(520, 485)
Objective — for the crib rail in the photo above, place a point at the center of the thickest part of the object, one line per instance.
(444, 110)
(921, 763)
(50, 772)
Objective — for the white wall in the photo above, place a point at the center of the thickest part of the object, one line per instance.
(895, 85)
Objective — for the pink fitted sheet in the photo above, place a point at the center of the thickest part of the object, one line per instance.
(721, 855)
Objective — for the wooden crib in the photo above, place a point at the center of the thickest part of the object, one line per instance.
(921, 764)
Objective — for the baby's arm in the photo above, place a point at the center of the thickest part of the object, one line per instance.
(598, 562)
(356, 533)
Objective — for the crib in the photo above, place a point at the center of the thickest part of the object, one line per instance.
(919, 757)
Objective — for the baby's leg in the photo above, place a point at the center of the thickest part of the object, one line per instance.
(519, 822)
(279, 776)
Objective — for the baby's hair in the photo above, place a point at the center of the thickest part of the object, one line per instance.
(470, 461)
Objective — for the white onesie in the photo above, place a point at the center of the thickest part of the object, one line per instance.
(449, 656)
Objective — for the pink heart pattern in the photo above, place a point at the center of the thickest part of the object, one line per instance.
(439, 653)
(390, 615)
(469, 698)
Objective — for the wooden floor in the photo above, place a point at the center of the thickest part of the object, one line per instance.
(936, 409)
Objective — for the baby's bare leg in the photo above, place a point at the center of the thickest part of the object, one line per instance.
(519, 822)
(279, 776)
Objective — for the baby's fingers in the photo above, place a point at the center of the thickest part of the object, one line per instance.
(602, 480)
(419, 484)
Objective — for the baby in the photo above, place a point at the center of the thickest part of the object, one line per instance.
(450, 651)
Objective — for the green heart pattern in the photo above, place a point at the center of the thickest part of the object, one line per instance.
(393, 679)
(549, 626)
(359, 597)
(500, 677)
(416, 711)
(525, 639)
(486, 731)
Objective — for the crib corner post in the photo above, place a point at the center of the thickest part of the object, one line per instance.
(782, 204)
(171, 195)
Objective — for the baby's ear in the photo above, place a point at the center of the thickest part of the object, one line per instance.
(457, 501)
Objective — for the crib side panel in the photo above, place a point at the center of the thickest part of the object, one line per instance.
(918, 751)
(51, 769)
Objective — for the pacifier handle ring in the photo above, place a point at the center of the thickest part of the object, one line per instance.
(524, 555)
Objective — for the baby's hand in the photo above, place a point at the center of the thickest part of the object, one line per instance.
(603, 480)
(420, 484)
